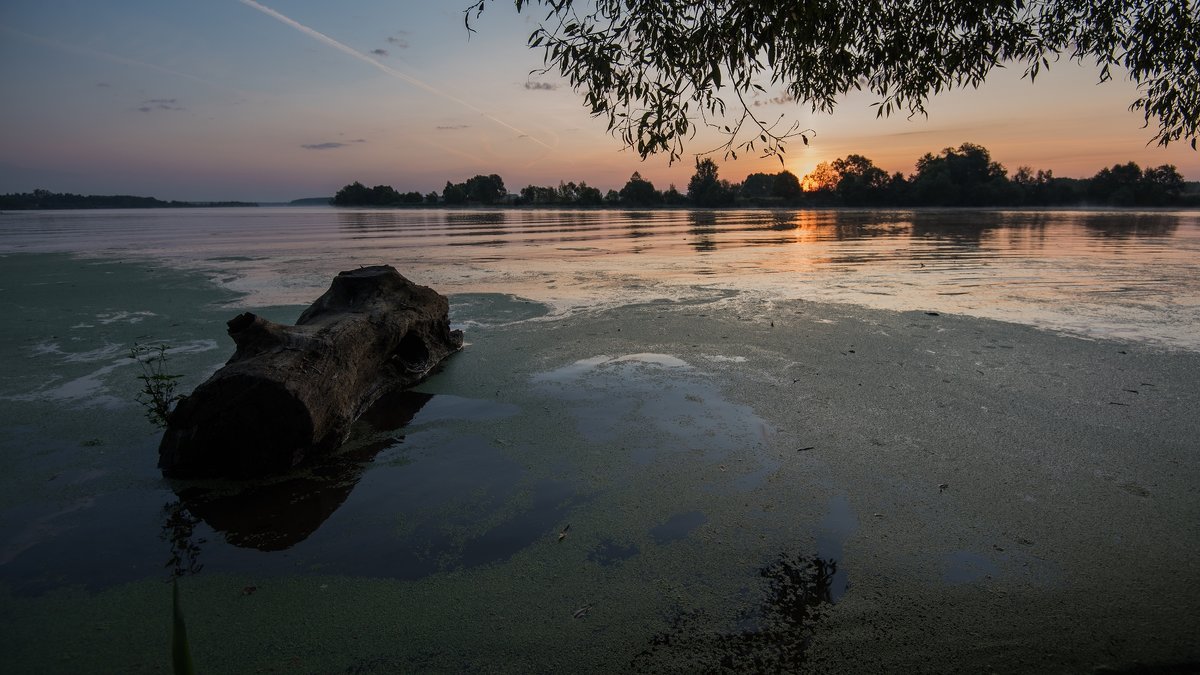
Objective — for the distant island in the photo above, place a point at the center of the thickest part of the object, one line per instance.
(965, 176)
(46, 200)
(311, 201)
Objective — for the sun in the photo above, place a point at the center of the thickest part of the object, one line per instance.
(814, 173)
(802, 167)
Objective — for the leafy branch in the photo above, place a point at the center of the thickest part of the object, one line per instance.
(658, 69)
(158, 395)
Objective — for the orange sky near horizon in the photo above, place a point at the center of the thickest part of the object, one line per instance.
(296, 98)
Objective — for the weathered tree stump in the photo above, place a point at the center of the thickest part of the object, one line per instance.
(291, 391)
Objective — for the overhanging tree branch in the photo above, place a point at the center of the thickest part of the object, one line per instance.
(657, 68)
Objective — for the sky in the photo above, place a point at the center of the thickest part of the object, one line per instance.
(284, 99)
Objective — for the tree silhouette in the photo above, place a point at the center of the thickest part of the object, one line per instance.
(1161, 185)
(962, 176)
(639, 192)
(860, 182)
(786, 186)
(658, 68)
(1127, 185)
(454, 194)
(485, 189)
(705, 189)
(758, 186)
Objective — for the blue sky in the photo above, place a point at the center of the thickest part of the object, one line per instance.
(231, 99)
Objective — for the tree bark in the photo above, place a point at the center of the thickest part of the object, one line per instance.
(289, 392)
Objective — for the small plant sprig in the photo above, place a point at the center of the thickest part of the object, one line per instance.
(158, 395)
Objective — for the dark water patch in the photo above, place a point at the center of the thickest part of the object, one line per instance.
(966, 567)
(454, 504)
(677, 527)
(836, 527)
(608, 552)
(447, 407)
(90, 542)
(407, 496)
(549, 503)
(393, 411)
(772, 635)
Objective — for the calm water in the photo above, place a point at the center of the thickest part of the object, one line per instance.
(576, 508)
(1129, 275)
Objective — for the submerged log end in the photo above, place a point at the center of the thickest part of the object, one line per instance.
(291, 391)
(236, 426)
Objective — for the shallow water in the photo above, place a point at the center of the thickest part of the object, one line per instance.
(1121, 274)
(602, 500)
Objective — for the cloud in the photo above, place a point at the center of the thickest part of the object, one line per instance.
(540, 86)
(776, 100)
(103, 84)
(331, 145)
(400, 42)
(450, 127)
(379, 52)
(153, 104)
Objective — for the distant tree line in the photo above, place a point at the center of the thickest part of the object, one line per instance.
(45, 200)
(962, 176)
(967, 176)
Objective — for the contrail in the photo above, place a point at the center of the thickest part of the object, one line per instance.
(350, 51)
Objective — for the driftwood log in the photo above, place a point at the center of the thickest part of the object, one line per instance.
(289, 392)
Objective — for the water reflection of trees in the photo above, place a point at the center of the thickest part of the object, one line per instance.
(1106, 226)
(702, 225)
(178, 529)
(278, 513)
(772, 636)
(969, 229)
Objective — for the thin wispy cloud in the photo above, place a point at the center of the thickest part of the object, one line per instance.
(383, 67)
(150, 105)
(452, 127)
(331, 145)
(540, 86)
(379, 52)
(399, 42)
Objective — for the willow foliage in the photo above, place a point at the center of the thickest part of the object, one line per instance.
(658, 69)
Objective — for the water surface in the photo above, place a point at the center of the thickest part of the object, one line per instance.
(697, 477)
(1122, 274)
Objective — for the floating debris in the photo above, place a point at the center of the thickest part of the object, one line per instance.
(582, 612)
(563, 534)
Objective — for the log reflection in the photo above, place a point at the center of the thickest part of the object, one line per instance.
(276, 514)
